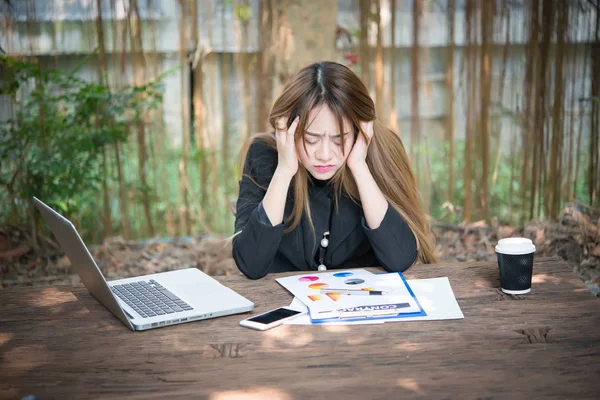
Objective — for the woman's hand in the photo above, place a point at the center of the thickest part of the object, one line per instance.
(287, 157)
(358, 155)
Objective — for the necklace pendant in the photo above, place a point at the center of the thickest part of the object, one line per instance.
(322, 268)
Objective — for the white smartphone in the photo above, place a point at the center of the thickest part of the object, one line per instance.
(270, 319)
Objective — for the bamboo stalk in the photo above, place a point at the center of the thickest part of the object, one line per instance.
(158, 142)
(225, 140)
(571, 131)
(513, 144)
(379, 102)
(578, 152)
(212, 133)
(470, 100)
(450, 14)
(120, 31)
(415, 126)
(393, 116)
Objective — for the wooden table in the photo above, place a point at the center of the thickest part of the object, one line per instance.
(59, 342)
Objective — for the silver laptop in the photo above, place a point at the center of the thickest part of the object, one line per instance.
(149, 301)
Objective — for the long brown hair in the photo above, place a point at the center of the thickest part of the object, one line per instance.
(338, 87)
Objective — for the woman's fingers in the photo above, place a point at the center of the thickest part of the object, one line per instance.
(292, 129)
(280, 125)
(282, 132)
(280, 129)
(286, 149)
(367, 127)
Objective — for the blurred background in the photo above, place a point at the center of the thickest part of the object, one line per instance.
(128, 116)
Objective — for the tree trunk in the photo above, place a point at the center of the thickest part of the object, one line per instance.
(120, 32)
(184, 207)
(199, 108)
(487, 26)
(123, 199)
(505, 13)
(160, 143)
(552, 192)
(303, 34)
(364, 50)
(106, 220)
(245, 56)
(540, 107)
(140, 79)
(594, 161)
(496, 132)
(101, 49)
(529, 109)
(265, 65)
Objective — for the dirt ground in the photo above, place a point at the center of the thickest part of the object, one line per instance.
(575, 239)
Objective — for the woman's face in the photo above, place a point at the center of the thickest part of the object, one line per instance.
(323, 155)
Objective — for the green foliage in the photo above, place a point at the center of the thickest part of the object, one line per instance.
(501, 204)
(53, 147)
(504, 199)
(355, 32)
(242, 12)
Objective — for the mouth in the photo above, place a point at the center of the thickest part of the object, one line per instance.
(324, 168)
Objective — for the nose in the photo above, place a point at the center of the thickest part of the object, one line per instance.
(323, 152)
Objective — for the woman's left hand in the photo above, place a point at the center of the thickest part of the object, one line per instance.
(358, 155)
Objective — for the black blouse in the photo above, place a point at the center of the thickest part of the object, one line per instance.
(260, 248)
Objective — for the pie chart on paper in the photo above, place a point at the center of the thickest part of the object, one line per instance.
(317, 286)
(309, 279)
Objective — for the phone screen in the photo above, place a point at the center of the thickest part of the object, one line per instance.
(273, 316)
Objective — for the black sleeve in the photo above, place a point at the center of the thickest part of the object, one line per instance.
(256, 241)
(393, 242)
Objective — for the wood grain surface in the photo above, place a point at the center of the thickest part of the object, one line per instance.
(59, 342)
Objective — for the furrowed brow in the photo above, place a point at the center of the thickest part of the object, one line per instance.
(320, 134)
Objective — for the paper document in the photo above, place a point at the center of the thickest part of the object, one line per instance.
(435, 296)
(353, 294)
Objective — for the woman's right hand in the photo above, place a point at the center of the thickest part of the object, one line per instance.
(287, 159)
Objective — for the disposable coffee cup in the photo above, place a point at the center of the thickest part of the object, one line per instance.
(515, 262)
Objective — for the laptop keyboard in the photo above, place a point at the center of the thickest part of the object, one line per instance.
(150, 299)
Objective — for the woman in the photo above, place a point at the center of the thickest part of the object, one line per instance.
(331, 188)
